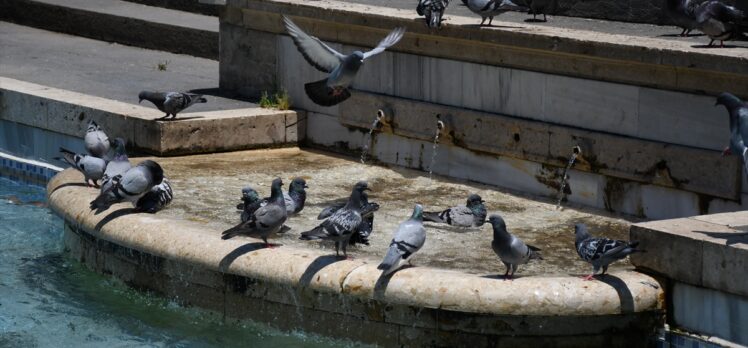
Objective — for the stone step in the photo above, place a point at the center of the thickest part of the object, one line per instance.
(120, 21)
(193, 6)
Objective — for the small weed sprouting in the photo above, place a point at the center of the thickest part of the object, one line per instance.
(161, 66)
(265, 101)
(279, 100)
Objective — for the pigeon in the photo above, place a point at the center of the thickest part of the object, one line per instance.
(600, 252)
(92, 167)
(682, 14)
(171, 102)
(511, 250)
(367, 214)
(433, 10)
(156, 199)
(539, 7)
(342, 224)
(738, 112)
(249, 196)
(266, 220)
(342, 69)
(96, 141)
(118, 165)
(408, 239)
(296, 196)
(718, 21)
(491, 8)
(473, 214)
(130, 186)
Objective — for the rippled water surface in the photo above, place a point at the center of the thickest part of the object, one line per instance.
(49, 300)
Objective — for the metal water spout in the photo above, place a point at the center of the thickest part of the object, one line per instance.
(383, 118)
(576, 151)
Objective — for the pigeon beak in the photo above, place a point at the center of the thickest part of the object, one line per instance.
(140, 100)
(367, 189)
(306, 186)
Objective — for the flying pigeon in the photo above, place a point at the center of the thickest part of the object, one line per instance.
(96, 141)
(408, 239)
(719, 21)
(171, 102)
(473, 214)
(342, 224)
(296, 196)
(600, 252)
(539, 7)
(491, 8)
(156, 199)
(266, 220)
(117, 166)
(511, 250)
(342, 69)
(130, 186)
(433, 10)
(367, 214)
(92, 167)
(682, 14)
(738, 112)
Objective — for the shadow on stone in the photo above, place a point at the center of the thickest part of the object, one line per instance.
(113, 215)
(69, 184)
(318, 264)
(624, 294)
(178, 118)
(384, 280)
(729, 237)
(227, 260)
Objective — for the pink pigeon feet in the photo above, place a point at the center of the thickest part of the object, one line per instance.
(271, 246)
(726, 151)
(589, 277)
(336, 91)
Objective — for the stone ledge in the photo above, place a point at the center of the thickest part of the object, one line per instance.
(314, 282)
(68, 113)
(710, 251)
(607, 57)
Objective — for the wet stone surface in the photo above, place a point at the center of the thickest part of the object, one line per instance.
(208, 187)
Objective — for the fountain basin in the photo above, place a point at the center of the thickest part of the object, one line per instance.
(295, 287)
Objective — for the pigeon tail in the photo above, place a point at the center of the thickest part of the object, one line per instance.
(102, 202)
(433, 217)
(321, 94)
(315, 233)
(67, 156)
(232, 232)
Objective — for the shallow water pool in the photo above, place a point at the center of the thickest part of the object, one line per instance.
(50, 300)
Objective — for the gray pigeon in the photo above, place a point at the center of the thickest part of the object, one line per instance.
(408, 239)
(738, 112)
(342, 224)
(117, 166)
(473, 214)
(682, 14)
(296, 196)
(491, 8)
(511, 250)
(130, 186)
(540, 7)
(719, 21)
(600, 252)
(156, 199)
(266, 220)
(96, 141)
(171, 102)
(92, 167)
(342, 69)
(249, 195)
(433, 10)
(367, 214)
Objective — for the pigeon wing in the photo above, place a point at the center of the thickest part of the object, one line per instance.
(317, 53)
(392, 38)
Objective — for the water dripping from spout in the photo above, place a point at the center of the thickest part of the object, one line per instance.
(439, 128)
(575, 151)
(368, 139)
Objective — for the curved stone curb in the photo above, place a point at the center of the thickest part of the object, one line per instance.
(439, 306)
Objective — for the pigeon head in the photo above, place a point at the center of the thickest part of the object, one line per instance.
(361, 186)
(499, 226)
(297, 185)
(275, 189)
(358, 55)
(249, 195)
(728, 100)
(417, 213)
(157, 174)
(580, 230)
(119, 147)
(147, 96)
(92, 126)
(474, 200)
(353, 61)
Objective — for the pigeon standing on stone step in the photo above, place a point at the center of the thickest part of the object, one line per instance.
(92, 167)
(342, 224)
(473, 214)
(296, 196)
(156, 199)
(719, 21)
(682, 13)
(433, 10)
(342, 69)
(96, 141)
(130, 186)
(540, 7)
(266, 220)
(738, 112)
(117, 166)
(600, 252)
(409, 238)
(367, 214)
(250, 203)
(511, 250)
(491, 8)
(171, 102)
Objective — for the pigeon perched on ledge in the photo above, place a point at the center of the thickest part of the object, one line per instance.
(491, 8)
(682, 14)
(333, 89)
(600, 252)
(473, 214)
(511, 250)
(117, 166)
(433, 10)
(361, 236)
(171, 103)
(92, 167)
(719, 21)
(266, 220)
(738, 112)
(96, 141)
(296, 196)
(156, 199)
(130, 186)
(409, 238)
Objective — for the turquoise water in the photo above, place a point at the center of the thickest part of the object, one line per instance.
(50, 300)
